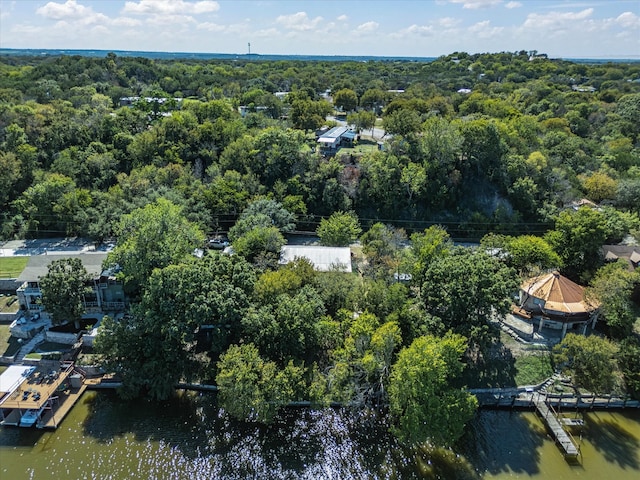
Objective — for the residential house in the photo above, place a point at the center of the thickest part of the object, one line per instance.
(107, 294)
(331, 140)
(629, 253)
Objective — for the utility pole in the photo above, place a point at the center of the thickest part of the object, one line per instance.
(249, 45)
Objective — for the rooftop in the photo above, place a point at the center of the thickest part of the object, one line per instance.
(323, 259)
(559, 293)
(38, 265)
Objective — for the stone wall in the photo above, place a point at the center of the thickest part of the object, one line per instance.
(58, 337)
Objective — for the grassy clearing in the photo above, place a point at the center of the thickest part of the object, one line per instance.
(9, 304)
(12, 267)
(533, 369)
(9, 345)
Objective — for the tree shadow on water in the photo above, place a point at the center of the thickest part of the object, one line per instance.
(174, 422)
(499, 441)
(610, 438)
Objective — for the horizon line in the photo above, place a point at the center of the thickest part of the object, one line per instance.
(254, 54)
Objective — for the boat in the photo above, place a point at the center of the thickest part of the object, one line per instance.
(31, 416)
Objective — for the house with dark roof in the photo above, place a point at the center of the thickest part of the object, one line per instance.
(106, 295)
(558, 303)
(628, 253)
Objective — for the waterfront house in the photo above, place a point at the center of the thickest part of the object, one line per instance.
(107, 294)
(556, 302)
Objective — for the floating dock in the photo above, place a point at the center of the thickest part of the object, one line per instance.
(562, 437)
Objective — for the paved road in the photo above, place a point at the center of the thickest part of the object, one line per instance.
(52, 246)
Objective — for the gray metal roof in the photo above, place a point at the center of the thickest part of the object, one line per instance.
(38, 265)
(323, 259)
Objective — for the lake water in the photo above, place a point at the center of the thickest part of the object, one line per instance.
(189, 438)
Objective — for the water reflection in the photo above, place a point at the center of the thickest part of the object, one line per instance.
(613, 440)
(188, 437)
(503, 441)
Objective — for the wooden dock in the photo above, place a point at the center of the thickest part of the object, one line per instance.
(554, 425)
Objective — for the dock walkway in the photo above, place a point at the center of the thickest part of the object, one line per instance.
(557, 430)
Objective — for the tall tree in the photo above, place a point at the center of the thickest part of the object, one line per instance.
(339, 230)
(577, 238)
(154, 236)
(465, 289)
(63, 290)
(253, 389)
(591, 360)
(612, 287)
(423, 405)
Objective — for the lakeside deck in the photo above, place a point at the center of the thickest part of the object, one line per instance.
(51, 393)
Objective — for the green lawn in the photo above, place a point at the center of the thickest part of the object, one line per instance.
(9, 345)
(9, 304)
(12, 267)
(533, 369)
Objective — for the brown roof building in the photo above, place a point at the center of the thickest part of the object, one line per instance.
(558, 302)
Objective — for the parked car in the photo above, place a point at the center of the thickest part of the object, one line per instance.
(218, 243)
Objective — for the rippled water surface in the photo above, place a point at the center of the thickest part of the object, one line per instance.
(189, 438)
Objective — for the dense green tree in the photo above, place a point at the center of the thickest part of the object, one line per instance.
(345, 100)
(629, 362)
(65, 287)
(401, 122)
(261, 245)
(154, 236)
(466, 289)
(529, 255)
(362, 120)
(426, 247)
(262, 213)
(612, 288)
(382, 246)
(577, 238)
(149, 357)
(360, 374)
(252, 389)
(591, 360)
(423, 405)
(287, 328)
(339, 230)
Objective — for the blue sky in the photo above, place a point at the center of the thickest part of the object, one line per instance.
(560, 28)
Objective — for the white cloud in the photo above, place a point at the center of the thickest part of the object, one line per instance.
(513, 5)
(484, 29)
(415, 30)
(628, 20)
(69, 9)
(475, 4)
(298, 21)
(170, 7)
(126, 22)
(367, 27)
(211, 27)
(448, 22)
(555, 19)
(170, 19)
(342, 18)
